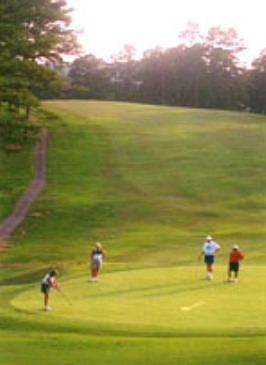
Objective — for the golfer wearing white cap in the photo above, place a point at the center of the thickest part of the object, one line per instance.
(209, 250)
(235, 256)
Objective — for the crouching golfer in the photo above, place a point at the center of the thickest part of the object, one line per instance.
(209, 250)
(96, 259)
(235, 256)
(49, 281)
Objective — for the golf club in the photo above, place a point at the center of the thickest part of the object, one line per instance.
(66, 298)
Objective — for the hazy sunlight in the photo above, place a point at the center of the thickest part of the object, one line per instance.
(108, 25)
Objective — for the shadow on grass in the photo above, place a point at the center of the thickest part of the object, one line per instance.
(161, 290)
(48, 116)
(28, 277)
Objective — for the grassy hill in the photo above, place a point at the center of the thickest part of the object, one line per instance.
(150, 183)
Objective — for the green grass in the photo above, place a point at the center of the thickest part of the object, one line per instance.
(55, 349)
(16, 170)
(156, 300)
(149, 183)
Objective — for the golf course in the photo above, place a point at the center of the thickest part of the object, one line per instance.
(149, 183)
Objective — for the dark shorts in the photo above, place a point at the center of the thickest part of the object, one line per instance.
(234, 266)
(209, 259)
(45, 288)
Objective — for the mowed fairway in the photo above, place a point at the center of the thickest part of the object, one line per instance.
(149, 183)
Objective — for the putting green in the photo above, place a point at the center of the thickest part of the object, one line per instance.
(172, 299)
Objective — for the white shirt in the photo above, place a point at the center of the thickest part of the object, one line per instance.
(210, 247)
(45, 280)
(97, 256)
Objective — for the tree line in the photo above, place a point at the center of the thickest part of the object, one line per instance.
(202, 71)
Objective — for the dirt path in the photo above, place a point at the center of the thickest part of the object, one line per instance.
(36, 186)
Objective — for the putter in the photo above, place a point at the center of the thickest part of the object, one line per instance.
(67, 300)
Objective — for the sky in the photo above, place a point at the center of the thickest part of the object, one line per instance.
(107, 25)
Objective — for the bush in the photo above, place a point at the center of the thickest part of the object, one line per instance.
(15, 131)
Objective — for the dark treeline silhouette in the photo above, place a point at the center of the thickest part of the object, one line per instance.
(203, 71)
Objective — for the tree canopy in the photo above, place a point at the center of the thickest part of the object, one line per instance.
(203, 70)
(32, 33)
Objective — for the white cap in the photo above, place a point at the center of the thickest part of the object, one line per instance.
(209, 238)
(235, 247)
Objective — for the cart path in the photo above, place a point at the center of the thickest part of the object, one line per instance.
(36, 186)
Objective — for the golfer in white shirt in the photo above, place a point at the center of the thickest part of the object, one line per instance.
(209, 250)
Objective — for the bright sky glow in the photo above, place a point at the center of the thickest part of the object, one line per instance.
(107, 25)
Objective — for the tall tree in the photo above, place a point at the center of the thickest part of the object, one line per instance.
(191, 35)
(125, 75)
(223, 47)
(31, 32)
(90, 77)
(257, 84)
(153, 77)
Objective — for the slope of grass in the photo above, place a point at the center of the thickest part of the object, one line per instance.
(149, 182)
(138, 177)
(16, 171)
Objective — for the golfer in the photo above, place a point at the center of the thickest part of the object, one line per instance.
(209, 249)
(49, 281)
(235, 256)
(96, 260)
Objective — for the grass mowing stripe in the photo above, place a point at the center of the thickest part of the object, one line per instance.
(61, 350)
(151, 300)
(149, 182)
